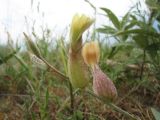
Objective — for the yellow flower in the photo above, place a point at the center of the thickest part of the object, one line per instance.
(91, 53)
(77, 69)
(78, 25)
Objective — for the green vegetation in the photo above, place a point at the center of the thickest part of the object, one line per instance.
(35, 83)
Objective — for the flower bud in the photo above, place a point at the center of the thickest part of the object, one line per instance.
(102, 85)
(90, 53)
(32, 45)
(38, 62)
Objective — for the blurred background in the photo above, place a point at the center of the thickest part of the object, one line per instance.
(17, 16)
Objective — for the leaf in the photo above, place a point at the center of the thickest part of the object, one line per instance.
(112, 17)
(133, 31)
(125, 45)
(125, 20)
(139, 31)
(133, 17)
(6, 58)
(131, 24)
(119, 47)
(21, 61)
(152, 4)
(63, 53)
(141, 41)
(106, 30)
(46, 99)
(79, 115)
(154, 47)
(156, 113)
(113, 52)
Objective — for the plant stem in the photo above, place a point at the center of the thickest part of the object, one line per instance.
(142, 66)
(66, 101)
(71, 97)
(113, 106)
(123, 111)
(141, 76)
(131, 91)
(63, 77)
(54, 70)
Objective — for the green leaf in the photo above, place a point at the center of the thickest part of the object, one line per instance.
(125, 20)
(63, 53)
(153, 47)
(112, 17)
(21, 61)
(152, 4)
(141, 41)
(139, 31)
(79, 115)
(106, 30)
(133, 31)
(156, 113)
(6, 58)
(131, 25)
(125, 45)
(46, 99)
(113, 52)
(133, 17)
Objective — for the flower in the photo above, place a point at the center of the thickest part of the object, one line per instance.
(91, 53)
(77, 69)
(79, 24)
(103, 85)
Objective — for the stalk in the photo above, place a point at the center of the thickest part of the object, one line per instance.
(142, 66)
(54, 70)
(113, 106)
(71, 97)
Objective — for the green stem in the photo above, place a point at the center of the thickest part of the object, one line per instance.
(71, 97)
(54, 70)
(62, 76)
(66, 101)
(142, 66)
(113, 106)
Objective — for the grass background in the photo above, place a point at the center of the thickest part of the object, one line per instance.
(132, 62)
